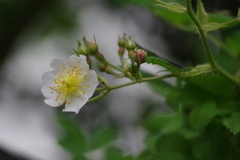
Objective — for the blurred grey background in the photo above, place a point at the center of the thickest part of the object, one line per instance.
(32, 33)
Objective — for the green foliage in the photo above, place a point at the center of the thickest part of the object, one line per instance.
(203, 115)
(103, 137)
(164, 63)
(167, 124)
(172, 6)
(78, 143)
(232, 41)
(201, 13)
(73, 138)
(232, 122)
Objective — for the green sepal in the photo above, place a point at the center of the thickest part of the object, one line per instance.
(202, 15)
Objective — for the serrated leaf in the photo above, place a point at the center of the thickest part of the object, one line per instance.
(154, 58)
(203, 115)
(175, 7)
(213, 26)
(233, 122)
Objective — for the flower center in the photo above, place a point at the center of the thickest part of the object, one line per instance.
(68, 82)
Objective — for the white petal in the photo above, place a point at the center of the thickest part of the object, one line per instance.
(57, 63)
(73, 60)
(91, 81)
(52, 102)
(46, 91)
(76, 103)
(48, 79)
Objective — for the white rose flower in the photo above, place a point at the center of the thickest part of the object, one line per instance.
(71, 82)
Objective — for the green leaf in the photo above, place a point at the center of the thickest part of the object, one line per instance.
(153, 58)
(201, 150)
(233, 122)
(203, 115)
(167, 124)
(213, 26)
(171, 156)
(202, 15)
(104, 137)
(73, 138)
(172, 6)
(164, 63)
(232, 42)
(220, 18)
(180, 20)
(159, 86)
(174, 143)
(114, 153)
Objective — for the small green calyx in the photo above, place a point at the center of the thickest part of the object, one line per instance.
(132, 55)
(101, 67)
(130, 45)
(82, 50)
(122, 41)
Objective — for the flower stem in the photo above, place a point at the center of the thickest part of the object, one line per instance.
(100, 96)
(134, 82)
(206, 44)
(113, 66)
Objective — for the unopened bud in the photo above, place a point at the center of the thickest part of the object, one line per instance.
(121, 51)
(100, 57)
(89, 61)
(108, 70)
(82, 50)
(141, 56)
(132, 54)
(122, 41)
(101, 67)
(130, 45)
(92, 46)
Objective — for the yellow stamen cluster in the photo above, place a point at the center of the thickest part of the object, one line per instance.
(68, 82)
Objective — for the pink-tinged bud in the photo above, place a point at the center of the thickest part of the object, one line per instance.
(108, 70)
(99, 56)
(89, 61)
(92, 46)
(130, 45)
(101, 67)
(141, 56)
(132, 54)
(121, 51)
(122, 41)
